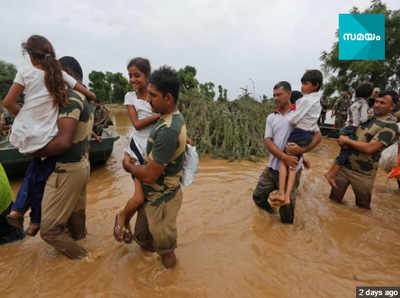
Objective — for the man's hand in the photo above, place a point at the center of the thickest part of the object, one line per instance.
(294, 149)
(98, 139)
(342, 140)
(291, 161)
(127, 162)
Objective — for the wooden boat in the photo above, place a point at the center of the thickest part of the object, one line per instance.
(15, 163)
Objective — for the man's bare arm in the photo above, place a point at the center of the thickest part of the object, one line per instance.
(148, 173)
(290, 161)
(63, 141)
(294, 149)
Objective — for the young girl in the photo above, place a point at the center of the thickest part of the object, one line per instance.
(304, 120)
(143, 118)
(45, 87)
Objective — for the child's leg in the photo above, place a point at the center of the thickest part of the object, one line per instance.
(282, 179)
(290, 184)
(137, 200)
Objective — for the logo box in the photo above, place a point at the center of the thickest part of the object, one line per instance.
(361, 37)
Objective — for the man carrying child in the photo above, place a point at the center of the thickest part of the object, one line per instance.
(277, 132)
(370, 139)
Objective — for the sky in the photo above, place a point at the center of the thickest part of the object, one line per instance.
(233, 43)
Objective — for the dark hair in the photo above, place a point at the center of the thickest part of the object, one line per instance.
(283, 84)
(295, 96)
(166, 81)
(72, 66)
(364, 90)
(314, 76)
(40, 49)
(391, 93)
(142, 64)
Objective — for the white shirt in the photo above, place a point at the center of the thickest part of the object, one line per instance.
(143, 110)
(308, 110)
(36, 122)
(278, 129)
(358, 112)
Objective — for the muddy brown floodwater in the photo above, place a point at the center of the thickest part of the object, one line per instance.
(227, 247)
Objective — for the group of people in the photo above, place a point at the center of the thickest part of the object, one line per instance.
(55, 125)
(362, 139)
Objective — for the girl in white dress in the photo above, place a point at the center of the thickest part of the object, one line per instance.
(45, 86)
(143, 118)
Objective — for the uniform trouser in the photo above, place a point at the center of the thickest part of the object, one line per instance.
(362, 187)
(267, 183)
(63, 208)
(158, 224)
(340, 120)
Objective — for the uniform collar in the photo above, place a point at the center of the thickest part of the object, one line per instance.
(291, 108)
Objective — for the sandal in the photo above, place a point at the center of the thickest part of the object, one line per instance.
(16, 221)
(128, 237)
(33, 229)
(119, 232)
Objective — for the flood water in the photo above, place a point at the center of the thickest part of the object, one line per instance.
(227, 247)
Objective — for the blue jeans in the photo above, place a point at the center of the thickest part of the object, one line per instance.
(31, 191)
(349, 131)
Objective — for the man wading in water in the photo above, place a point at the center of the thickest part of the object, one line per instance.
(277, 132)
(155, 228)
(371, 138)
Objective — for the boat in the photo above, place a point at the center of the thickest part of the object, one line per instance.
(15, 163)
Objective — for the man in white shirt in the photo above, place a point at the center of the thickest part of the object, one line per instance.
(277, 132)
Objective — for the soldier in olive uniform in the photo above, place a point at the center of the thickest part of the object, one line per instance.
(371, 138)
(324, 108)
(340, 109)
(101, 118)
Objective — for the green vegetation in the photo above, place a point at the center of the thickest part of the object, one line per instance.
(7, 75)
(230, 130)
(109, 87)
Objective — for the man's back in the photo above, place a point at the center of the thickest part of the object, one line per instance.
(78, 108)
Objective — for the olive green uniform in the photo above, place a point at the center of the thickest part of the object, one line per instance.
(100, 113)
(360, 169)
(341, 108)
(64, 199)
(156, 219)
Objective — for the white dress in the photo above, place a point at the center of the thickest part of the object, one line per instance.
(36, 123)
(139, 137)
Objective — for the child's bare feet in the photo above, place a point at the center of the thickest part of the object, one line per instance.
(331, 179)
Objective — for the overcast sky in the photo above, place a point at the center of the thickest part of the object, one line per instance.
(234, 43)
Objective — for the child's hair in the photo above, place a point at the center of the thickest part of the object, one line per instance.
(166, 81)
(142, 64)
(364, 90)
(40, 49)
(314, 76)
(72, 67)
(295, 96)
